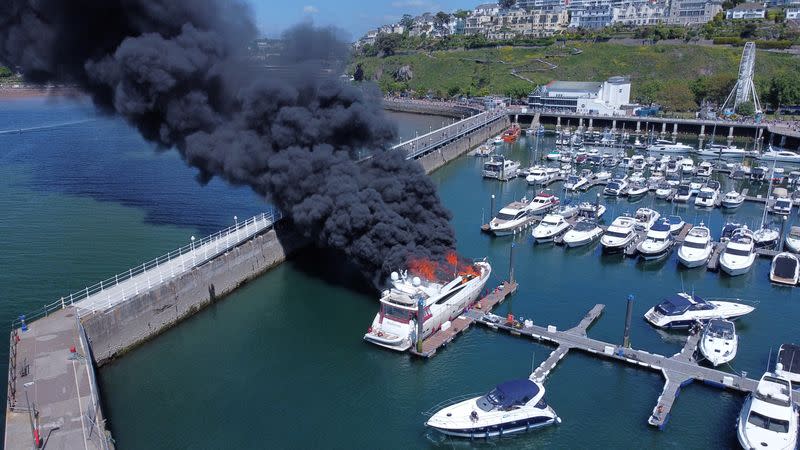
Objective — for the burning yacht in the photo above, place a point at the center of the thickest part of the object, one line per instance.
(397, 325)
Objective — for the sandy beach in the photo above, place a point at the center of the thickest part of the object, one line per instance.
(10, 93)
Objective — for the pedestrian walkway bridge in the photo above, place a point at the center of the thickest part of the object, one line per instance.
(422, 145)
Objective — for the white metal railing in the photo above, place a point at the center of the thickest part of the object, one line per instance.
(421, 144)
(162, 268)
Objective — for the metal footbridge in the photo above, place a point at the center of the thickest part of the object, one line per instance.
(422, 145)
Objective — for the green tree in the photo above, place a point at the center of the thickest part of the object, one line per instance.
(746, 109)
(649, 91)
(407, 21)
(784, 89)
(461, 14)
(440, 20)
(699, 88)
(505, 4)
(358, 75)
(386, 44)
(5, 72)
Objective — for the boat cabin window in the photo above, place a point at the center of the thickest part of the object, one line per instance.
(705, 194)
(505, 216)
(613, 186)
(768, 423)
(396, 314)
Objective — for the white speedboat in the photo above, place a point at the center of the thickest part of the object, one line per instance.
(739, 254)
(602, 175)
(637, 190)
(619, 234)
(766, 237)
(676, 223)
(615, 187)
(663, 190)
(705, 169)
(687, 166)
(511, 219)
(484, 150)
(706, 198)
(553, 155)
(719, 342)
(498, 140)
(788, 363)
(657, 243)
(511, 407)
(543, 203)
(575, 182)
(591, 210)
(695, 184)
(500, 168)
(792, 242)
(645, 218)
(538, 175)
(782, 206)
(724, 151)
(664, 146)
(769, 416)
(584, 232)
(732, 199)
(780, 156)
(551, 226)
(682, 194)
(397, 324)
(696, 247)
(785, 269)
(683, 309)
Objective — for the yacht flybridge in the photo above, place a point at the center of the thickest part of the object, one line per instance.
(396, 326)
(769, 417)
(683, 309)
(512, 407)
(511, 218)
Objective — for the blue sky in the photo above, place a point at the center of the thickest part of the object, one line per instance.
(354, 16)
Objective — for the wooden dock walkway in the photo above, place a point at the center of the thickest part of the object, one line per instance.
(713, 261)
(678, 370)
(461, 323)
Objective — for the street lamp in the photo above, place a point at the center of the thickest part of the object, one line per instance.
(236, 220)
(192, 238)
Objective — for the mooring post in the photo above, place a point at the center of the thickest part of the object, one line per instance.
(597, 204)
(626, 338)
(783, 236)
(420, 322)
(511, 264)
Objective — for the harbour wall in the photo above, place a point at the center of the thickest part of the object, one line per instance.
(426, 107)
(453, 150)
(114, 331)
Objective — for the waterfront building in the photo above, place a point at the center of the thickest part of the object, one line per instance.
(747, 11)
(586, 97)
(792, 13)
(592, 14)
(692, 12)
(640, 12)
(519, 22)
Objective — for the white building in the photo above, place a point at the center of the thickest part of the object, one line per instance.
(691, 12)
(747, 11)
(792, 13)
(601, 98)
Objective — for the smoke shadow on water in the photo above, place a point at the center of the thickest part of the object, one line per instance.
(333, 268)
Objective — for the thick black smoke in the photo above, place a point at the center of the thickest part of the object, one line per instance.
(178, 72)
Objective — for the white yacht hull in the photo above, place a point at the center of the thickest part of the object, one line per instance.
(736, 269)
(692, 260)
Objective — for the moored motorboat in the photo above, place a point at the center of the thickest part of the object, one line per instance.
(682, 194)
(512, 407)
(511, 218)
(512, 133)
(785, 269)
(591, 210)
(619, 234)
(413, 308)
(637, 190)
(739, 254)
(500, 168)
(551, 226)
(645, 218)
(788, 363)
(792, 241)
(657, 242)
(543, 202)
(719, 341)
(768, 418)
(696, 247)
(683, 310)
(675, 223)
(585, 231)
(663, 190)
(732, 199)
(615, 188)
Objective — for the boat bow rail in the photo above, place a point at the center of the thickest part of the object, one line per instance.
(143, 277)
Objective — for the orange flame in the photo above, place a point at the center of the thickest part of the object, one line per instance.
(446, 270)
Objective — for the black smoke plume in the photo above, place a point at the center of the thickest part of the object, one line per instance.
(178, 71)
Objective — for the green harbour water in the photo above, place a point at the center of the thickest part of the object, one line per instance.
(281, 363)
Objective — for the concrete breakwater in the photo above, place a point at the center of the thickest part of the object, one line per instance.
(425, 107)
(122, 327)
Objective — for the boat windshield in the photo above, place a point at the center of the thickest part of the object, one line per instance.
(691, 244)
(768, 423)
(677, 305)
(492, 166)
(504, 216)
(706, 194)
(572, 179)
(721, 329)
(736, 252)
(617, 234)
(585, 226)
(397, 314)
(613, 186)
